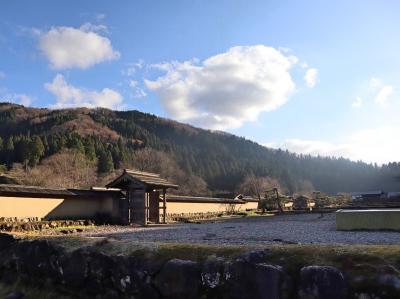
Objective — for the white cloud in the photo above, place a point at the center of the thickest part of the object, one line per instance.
(357, 102)
(227, 89)
(100, 16)
(89, 27)
(311, 77)
(375, 82)
(378, 145)
(67, 47)
(18, 98)
(138, 92)
(383, 94)
(71, 96)
(133, 68)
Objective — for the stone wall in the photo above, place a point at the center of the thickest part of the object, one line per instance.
(35, 224)
(88, 273)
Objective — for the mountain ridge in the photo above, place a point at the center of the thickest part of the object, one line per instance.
(222, 159)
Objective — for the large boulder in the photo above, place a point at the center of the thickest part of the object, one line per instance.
(75, 269)
(38, 258)
(321, 282)
(98, 273)
(255, 256)
(256, 281)
(6, 241)
(15, 295)
(179, 279)
(133, 276)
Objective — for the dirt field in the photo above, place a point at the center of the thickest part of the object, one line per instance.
(283, 229)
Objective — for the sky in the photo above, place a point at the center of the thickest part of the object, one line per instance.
(313, 77)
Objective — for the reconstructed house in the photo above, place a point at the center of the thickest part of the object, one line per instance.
(368, 195)
(303, 202)
(133, 197)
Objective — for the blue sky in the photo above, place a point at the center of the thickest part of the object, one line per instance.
(318, 77)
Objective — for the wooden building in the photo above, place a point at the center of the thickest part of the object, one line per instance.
(143, 190)
(303, 202)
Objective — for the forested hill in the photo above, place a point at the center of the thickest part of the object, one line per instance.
(110, 138)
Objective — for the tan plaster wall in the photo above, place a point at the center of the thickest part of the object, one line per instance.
(189, 207)
(55, 208)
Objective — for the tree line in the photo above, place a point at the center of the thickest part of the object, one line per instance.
(221, 161)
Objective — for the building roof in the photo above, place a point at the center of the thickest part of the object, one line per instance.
(145, 179)
(377, 192)
(35, 191)
(246, 198)
(200, 199)
(303, 197)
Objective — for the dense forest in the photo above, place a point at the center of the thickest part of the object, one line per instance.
(108, 140)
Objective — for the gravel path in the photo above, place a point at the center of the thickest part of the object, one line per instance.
(283, 229)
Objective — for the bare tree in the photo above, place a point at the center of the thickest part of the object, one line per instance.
(151, 160)
(305, 187)
(257, 187)
(66, 169)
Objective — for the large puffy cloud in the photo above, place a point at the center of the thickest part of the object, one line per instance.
(369, 145)
(70, 96)
(68, 47)
(227, 89)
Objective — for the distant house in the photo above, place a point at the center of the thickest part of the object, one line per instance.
(393, 195)
(368, 195)
(303, 202)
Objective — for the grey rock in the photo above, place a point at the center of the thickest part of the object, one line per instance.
(254, 256)
(131, 275)
(324, 282)
(15, 295)
(212, 273)
(38, 258)
(178, 279)
(6, 241)
(253, 281)
(389, 280)
(74, 268)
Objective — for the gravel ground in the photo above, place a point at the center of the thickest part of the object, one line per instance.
(282, 229)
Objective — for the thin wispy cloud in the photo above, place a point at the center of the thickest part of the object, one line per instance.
(384, 93)
(357, 103)
(370, 145)
(137, 91)
(311, 77)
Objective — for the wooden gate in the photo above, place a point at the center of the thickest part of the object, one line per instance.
(154, 207)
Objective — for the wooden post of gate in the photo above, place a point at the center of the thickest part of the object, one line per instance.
(164, 207)
(139, 207)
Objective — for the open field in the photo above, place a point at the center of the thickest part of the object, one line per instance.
(282, 229)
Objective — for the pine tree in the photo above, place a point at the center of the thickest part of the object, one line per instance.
(36, 151)
(105, 163)
(90, 151)
(9, 150)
